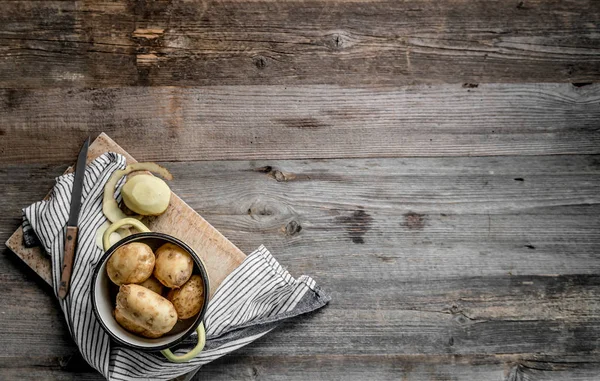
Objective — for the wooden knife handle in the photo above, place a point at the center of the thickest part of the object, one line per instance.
(69, 258)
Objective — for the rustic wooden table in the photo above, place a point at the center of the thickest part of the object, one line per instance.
(434, 164)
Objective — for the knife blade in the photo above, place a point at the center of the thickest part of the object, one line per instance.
(72, 228)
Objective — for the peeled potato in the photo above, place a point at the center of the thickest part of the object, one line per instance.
(153, 284)
(131, 263)
(110, 208)
(146, 195)
(173, 265)
(188, 299)
(144, 312)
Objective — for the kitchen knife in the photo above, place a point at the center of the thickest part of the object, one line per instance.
(72, 229)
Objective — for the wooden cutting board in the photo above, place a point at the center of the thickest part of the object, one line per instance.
(220, 256)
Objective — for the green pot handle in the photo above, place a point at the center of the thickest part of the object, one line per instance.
(191, 354)
(125, 221)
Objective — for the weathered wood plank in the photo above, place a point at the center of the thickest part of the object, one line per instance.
(244, 366)
(49, 374)
(173, 124)
(396, 367)
(401, 218)
(404, 217)
(554, 371)
(429, 265)
(75, 43)
(466, 316)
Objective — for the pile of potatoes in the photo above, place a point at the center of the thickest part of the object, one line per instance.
(155, 289)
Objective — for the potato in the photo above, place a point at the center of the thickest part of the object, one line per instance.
(146, 195)
(132, 326)
(131, 263)
(173, 265)
(144, 312)
(110, 208)
(153, 284)
(188, 299)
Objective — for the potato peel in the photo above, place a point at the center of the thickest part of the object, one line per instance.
(114, 237)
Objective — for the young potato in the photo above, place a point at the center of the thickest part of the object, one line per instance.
(188, 299)
(146, 195)
(111, 209)
(153, 284)
(133, 327)
(173, 265)
(144, 312)
(131, 263)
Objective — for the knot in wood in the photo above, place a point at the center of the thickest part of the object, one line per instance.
(275, 173)
(338, 41)
(260, 62)
(278, 176)
(414, 221)
(270, 211)
(356, 225)
(292, 228)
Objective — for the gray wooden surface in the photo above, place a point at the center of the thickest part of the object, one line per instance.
(463, 266)
(254, 122)
(183, 43)
(433, 164)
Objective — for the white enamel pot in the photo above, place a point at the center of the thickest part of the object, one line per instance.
(104, 293)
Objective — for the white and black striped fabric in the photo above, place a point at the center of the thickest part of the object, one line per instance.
(249, 303)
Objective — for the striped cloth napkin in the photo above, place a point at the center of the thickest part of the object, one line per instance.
(250, 302)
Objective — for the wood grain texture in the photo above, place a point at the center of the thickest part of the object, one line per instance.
(258, 122)
(433, 164)
(124, 43)
(245, 366)
(400, 367)
(219, 255)
(445, 262)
